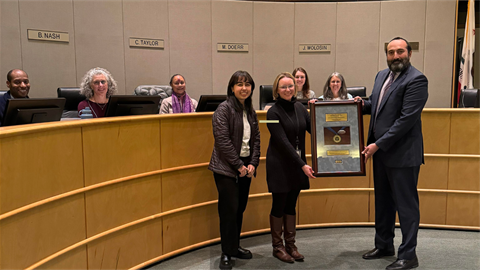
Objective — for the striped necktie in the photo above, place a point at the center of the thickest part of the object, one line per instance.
(385, 90)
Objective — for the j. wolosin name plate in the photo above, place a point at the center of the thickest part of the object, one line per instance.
(311, 48)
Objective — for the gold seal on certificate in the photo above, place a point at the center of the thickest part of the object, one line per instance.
(337, 138)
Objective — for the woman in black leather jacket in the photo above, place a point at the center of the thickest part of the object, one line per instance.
(235, 157)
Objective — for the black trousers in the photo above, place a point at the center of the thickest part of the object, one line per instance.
(232, 201)
(396, 190)
(284, 203)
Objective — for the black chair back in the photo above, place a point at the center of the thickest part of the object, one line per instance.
(469, 98)
(72, 96)
(265, 95)
(360, 91)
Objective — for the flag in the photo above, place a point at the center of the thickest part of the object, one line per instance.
(465, 78)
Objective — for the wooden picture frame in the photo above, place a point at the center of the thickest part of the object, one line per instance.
(337, 138)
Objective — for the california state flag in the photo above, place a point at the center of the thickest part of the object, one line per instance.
(465, 78)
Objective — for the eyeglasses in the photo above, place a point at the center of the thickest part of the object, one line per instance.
(99, 82)
(287, 86)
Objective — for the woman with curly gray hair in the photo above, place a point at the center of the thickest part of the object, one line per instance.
(97, 86)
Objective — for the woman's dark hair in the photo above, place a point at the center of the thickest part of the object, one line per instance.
(240, 76)
(306, 85)
(327, 91)
(171, 79)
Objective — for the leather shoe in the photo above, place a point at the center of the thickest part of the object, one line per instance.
(403, 264)
(377, 253)
(225, 262)
(243, 253)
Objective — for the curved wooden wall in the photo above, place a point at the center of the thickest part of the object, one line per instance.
(126, 192)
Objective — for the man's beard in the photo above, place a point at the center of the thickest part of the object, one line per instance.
(399, 64)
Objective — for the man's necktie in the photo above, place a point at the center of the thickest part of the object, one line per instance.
(385, 90)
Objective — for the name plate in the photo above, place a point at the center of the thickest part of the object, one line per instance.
(336, 117)
(47, 35)
(232, 47)
(314, 48)
(147, 43)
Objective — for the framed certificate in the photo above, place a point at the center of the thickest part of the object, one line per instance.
(337, 138)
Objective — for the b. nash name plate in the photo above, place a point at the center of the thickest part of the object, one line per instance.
(337, 138)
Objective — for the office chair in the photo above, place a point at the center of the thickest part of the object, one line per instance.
(73, 97)
(164, 91)
(360, 91)
(266, 97)
(469, 98)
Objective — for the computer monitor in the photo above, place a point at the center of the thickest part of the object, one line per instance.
(209, 103)
(32, 110)
(122, 105)
(477, 100)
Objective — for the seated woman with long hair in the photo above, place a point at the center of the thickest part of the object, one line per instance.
(335, 88)
(302, 84)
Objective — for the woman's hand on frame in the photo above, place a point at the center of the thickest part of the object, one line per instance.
(308, 171)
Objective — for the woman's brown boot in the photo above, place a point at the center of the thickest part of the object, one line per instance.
(289, 234)
(278, 248)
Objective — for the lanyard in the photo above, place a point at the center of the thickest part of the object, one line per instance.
(295, 123)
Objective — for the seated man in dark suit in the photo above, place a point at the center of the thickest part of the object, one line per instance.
(19, 85)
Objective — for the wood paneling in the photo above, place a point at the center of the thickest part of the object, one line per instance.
(190, 227)
(259, 183)
(54, 162)
(112, 206)
(128, 247)
(326, 207)
(435, 127)
(35, 234)
(113, 150)
(180, 137)
(433, 207)
(463, 209)
(107, 149)
(257, 214)
(187, 187)
(464, 127)
(464, 174)
(434, 173)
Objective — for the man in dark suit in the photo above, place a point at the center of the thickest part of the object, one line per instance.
(395, 141)
(19, 85)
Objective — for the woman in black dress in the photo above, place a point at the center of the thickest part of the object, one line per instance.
(234, 161)
(287, 169)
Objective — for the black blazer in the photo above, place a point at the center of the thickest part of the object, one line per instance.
(398, 126)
